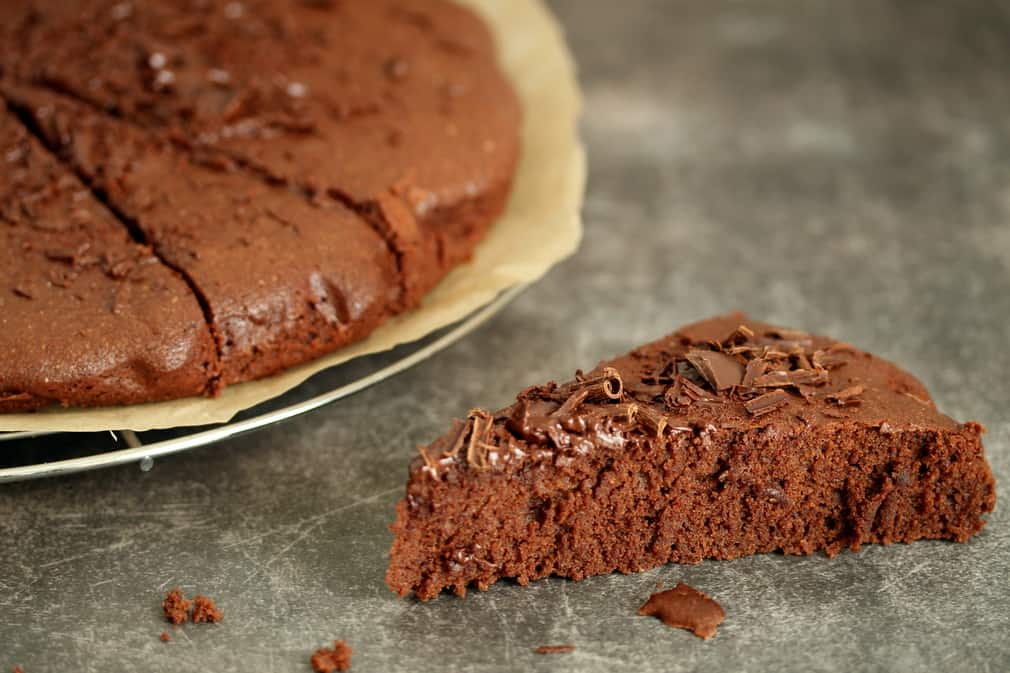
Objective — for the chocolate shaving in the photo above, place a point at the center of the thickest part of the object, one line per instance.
(693, 390)
(741, 335)
(847, 397)
(604, 387)
(799, 356)
(825, 359)
(652, 420)
(628, 412)
(754, 369)
(720, 370)
(573, 402)
(23, 290)
(766, 403)
(794, 378)
(480, 423)
(457, 444)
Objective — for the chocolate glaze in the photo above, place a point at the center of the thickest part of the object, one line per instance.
(801, 454)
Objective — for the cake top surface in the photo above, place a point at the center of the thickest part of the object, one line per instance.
(726, 373)
(353, 97)
(60, 249)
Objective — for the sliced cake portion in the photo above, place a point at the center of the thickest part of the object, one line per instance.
(284, 278)
(87, 316)
(398, 109)
(728, 437)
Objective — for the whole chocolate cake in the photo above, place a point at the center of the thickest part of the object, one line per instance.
(297, 171)
(728, 437)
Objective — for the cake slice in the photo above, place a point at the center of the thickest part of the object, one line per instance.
(283, 279)
(87, 316)
(727, 438)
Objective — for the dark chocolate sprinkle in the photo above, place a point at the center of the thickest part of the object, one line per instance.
(766, 403)
(720, 370)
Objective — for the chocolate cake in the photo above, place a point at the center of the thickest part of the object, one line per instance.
(308, 169)
(328, 660)
(728, 437)
(205, 611)
(684, 607)
(128, 326)
(176, 606)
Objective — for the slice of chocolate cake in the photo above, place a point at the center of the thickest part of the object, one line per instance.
(728, 437)
(87, 316)
(284, 278)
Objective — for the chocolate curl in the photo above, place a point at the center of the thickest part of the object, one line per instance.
(573, 402)
(428, 461)
(652, 420)
(626, 412)
(457, 444)
(607, 386)
(480, 423)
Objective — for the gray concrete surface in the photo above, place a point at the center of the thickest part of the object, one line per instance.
(837, 166)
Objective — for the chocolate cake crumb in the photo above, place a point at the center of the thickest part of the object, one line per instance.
(164, 637)
(175, 606)
(204, 611)
(684, 607)
(326, 660)
(554, 649)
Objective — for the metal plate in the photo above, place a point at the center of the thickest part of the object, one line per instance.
(32, 455)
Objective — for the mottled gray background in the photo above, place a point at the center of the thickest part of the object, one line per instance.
(837, 166)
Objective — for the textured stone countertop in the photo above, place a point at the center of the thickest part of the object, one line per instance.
(842, 167)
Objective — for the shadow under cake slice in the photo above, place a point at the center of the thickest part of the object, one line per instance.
(726, 438)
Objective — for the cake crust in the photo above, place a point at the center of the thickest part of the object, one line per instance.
(728, 437)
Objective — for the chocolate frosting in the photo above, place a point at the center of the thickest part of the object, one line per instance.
(728, 372)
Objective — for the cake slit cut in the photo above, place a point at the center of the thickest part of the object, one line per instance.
(729, 437)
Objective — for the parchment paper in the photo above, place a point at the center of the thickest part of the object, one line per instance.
(540, 227)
